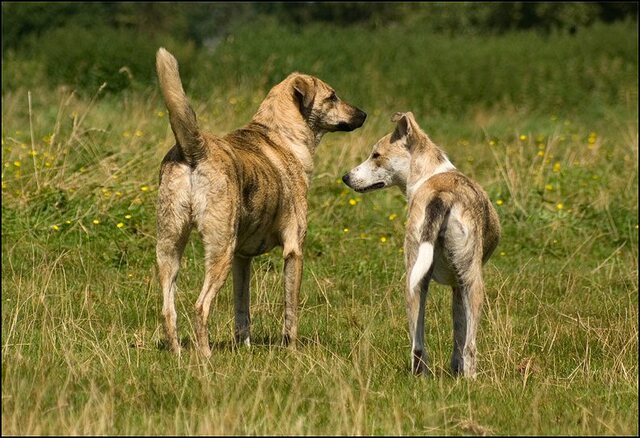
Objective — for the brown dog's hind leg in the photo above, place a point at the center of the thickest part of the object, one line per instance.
(217, 267)
(169, 250)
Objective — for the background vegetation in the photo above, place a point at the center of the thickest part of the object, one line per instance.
(538, 102)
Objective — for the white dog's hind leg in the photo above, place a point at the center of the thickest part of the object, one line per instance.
(416, 303)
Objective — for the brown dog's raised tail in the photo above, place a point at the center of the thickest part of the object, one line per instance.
(181, 115)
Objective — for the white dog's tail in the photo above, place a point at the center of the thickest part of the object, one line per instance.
(181, 115)
(437, 211)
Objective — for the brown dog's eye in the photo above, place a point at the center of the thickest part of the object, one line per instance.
(333, 97)
(375, 155)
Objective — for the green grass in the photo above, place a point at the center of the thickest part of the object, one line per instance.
(82, 349)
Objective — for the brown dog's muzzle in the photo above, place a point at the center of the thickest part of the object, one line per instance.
(356, 121)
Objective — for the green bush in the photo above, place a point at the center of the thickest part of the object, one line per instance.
(86, 58)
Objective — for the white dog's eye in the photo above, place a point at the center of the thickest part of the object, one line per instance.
(375, 155)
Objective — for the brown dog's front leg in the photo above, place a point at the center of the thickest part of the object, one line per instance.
(292, 282)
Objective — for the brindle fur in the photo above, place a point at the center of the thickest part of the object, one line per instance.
(244, 192)
(450, 215)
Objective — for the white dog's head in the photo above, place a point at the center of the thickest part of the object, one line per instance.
(389, 162)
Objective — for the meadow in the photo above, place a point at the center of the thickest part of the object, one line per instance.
(548, 124)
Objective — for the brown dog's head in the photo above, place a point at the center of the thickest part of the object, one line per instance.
(321, 108)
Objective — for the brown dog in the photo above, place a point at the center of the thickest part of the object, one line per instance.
(452, 230)
(244, 192)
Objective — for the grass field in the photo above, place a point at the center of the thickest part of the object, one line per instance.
(548, 125)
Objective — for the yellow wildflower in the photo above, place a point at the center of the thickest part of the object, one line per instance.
(541, 153)
(346, 230)
(160, 113)
(128, 216)
(492, 143)
(144, 188)
(33, 152)
(120, 225)
(502, 253)
(523, 137)
(392, 216)
(138, 133)
(17, 163)
(352, 201)
(556, 167)
(55, 227)
(499, 202)
(383, 239)
(559, 206)
(549, 187)
(96, 221)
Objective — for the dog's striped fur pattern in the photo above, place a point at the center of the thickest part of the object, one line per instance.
(452, 229)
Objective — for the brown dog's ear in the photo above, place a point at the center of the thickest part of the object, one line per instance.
(305, 92)
(404, 125)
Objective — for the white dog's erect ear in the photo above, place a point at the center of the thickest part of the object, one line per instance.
(404, 125)
(305, 92)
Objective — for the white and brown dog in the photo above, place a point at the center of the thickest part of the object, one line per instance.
(452, 230)
(245, 192)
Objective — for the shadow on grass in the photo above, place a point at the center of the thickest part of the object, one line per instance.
(268, 341)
